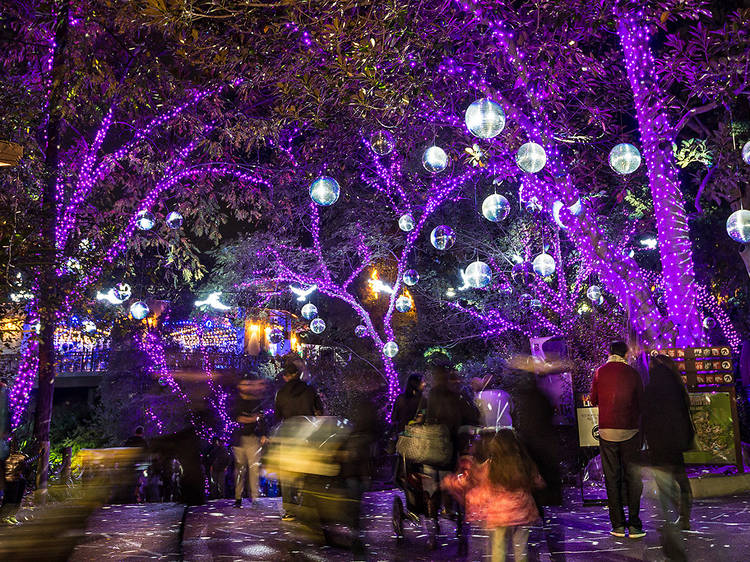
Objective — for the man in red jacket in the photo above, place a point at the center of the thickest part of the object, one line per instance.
(617, 390)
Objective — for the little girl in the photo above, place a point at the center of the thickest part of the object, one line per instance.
(498, 490)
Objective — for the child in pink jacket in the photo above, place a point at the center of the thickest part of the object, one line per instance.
(497, 492)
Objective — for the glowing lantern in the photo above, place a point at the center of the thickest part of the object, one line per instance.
(325, 191)
(531, 157)
(624, 158)
(484, 119)
(495, 208)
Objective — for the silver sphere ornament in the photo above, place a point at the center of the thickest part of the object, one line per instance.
(360, 331)
(434, 159)
(317, 326)
(525, 299)
(484, 118)
(309, 311)
(406, 222)
(382, 142)
(390, 349)
(522, 273)
(624, 158)
(535, 303)
(495, 207)
(478, 275)
(174, 220)
(746, 153)
(145, 220)
(276, 336)
(544, 265)
(163, 381)
(122, 291)
(325, 191)
(738, 226)
(411, 277)
(709, 323)
(139, 310)
(403, 303)
(531, 157)
(442, 237)
(594, 293)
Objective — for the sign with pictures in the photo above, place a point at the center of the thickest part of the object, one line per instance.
(701, 365)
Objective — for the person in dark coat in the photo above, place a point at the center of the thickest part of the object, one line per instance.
(137, 439)
(407, 403)
(447, 406)
(669, 433)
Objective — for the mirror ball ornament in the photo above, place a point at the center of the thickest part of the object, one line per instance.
(624, 158)
(139, 310)
(738, 226)
(434, 159)
(309, 311)
(594, 293)
(406, 222)
(382, 143)
(411, 277)
(522, 273)
(535, 303)
(531, 157)
(484, 118)
(478, 275)
(325, 191)
(276, 336)
(544, 265)
(442, 237)
(525, 299)
(174, 220)
(709, 323)
(746, 152)
(495, 207)
(360, 331)
(145, 220)
(403, 303)
(163, 381)
(317, 326)
(390, 349)
(122, 291)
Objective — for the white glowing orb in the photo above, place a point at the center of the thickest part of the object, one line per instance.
(484, 118)
(544, 265)
(360, 331)
(325, 191)
(390, 349)
(738, 226)
(478, 275)
(139, 310)
(317, 326)
(531, 157)
(411, 277)
(624, 158)
(174, 220)
(309, 311)
(709, 323)
(594, 293)
(442, 237)
(403, 303)
(434, 159)
(406, 222)
(145, 220)
(495, 207)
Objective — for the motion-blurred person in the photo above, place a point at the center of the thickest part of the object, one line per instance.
(181, 466)
(218, 463)
(669, 433)
(137, 439)
(247, 412)
(617, 389)
(5, 427)
(15, 485)
(294, 398)
(408, 403)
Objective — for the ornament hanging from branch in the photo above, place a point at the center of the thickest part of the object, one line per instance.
(309, 311)
(390, 349)
(411, 277)
(484, 118)
(624, 158)
(478, 275)
(495, 207)
(544, 265)
(382, 143)
(139, 310)
(434, 159)
(174, 220)
(738, 226)
(531, 157)
(406, 222)
(145, 220)
(442, 237)
(325, 191)
(317, 326)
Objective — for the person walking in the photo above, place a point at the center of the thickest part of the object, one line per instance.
(408, 403)
(294, 398)
(246, 440)
(617, 390)
(669, 432)
(137, 439)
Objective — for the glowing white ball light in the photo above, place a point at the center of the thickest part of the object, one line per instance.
(406, 222)
(594, 293)
(531, 157)
(738, 226)
(174, 220)
(403, 303)
(411, 277)
(484, 119)
(434, 159)
(746, 152)
(709, 323)
(325, 191)
(309, 311)
(495, 208)
(139, 310)
(478, 275)
(317, 326)
(390, 349)
(145, 220)
(624, 158)
(382, 143)
(442, 237)
(360, 331)
(544, 265)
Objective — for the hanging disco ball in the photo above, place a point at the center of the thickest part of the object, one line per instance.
(495, 207)
(525, 299)
(746, 152)
(484, 118)
(478, 275)
(531, 157)
(522, 273)
(411, 277)
(122, 291)
(325, 191)
(390, 349)
(145, 220)
(406, 222)
(535, 303)
(434, 159)
(276, 335)
(624, 158)
(403, 303)
(544, 265)
(709, 323)
(738, 226)
(382, 142)
(442, 237)
(594, 293)
(163, 381)
(309, 311)
(174, 220)
(139, 310)
(360, 331)
(317, 326)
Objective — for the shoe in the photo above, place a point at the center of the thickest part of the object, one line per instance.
(287, 517)
(11, 521)
(618, 532)
(636, 533)
(238, 503)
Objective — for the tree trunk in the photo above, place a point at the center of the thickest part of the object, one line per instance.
(48, 274)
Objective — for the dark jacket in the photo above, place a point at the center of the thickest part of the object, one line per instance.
(249, 407)
(446, 406)
(405, 409)
(666, 417)
(297, 398)
(617, 389)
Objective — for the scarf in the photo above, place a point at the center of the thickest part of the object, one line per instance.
(616, 359)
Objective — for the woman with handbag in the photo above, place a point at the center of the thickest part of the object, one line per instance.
(407, 404)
